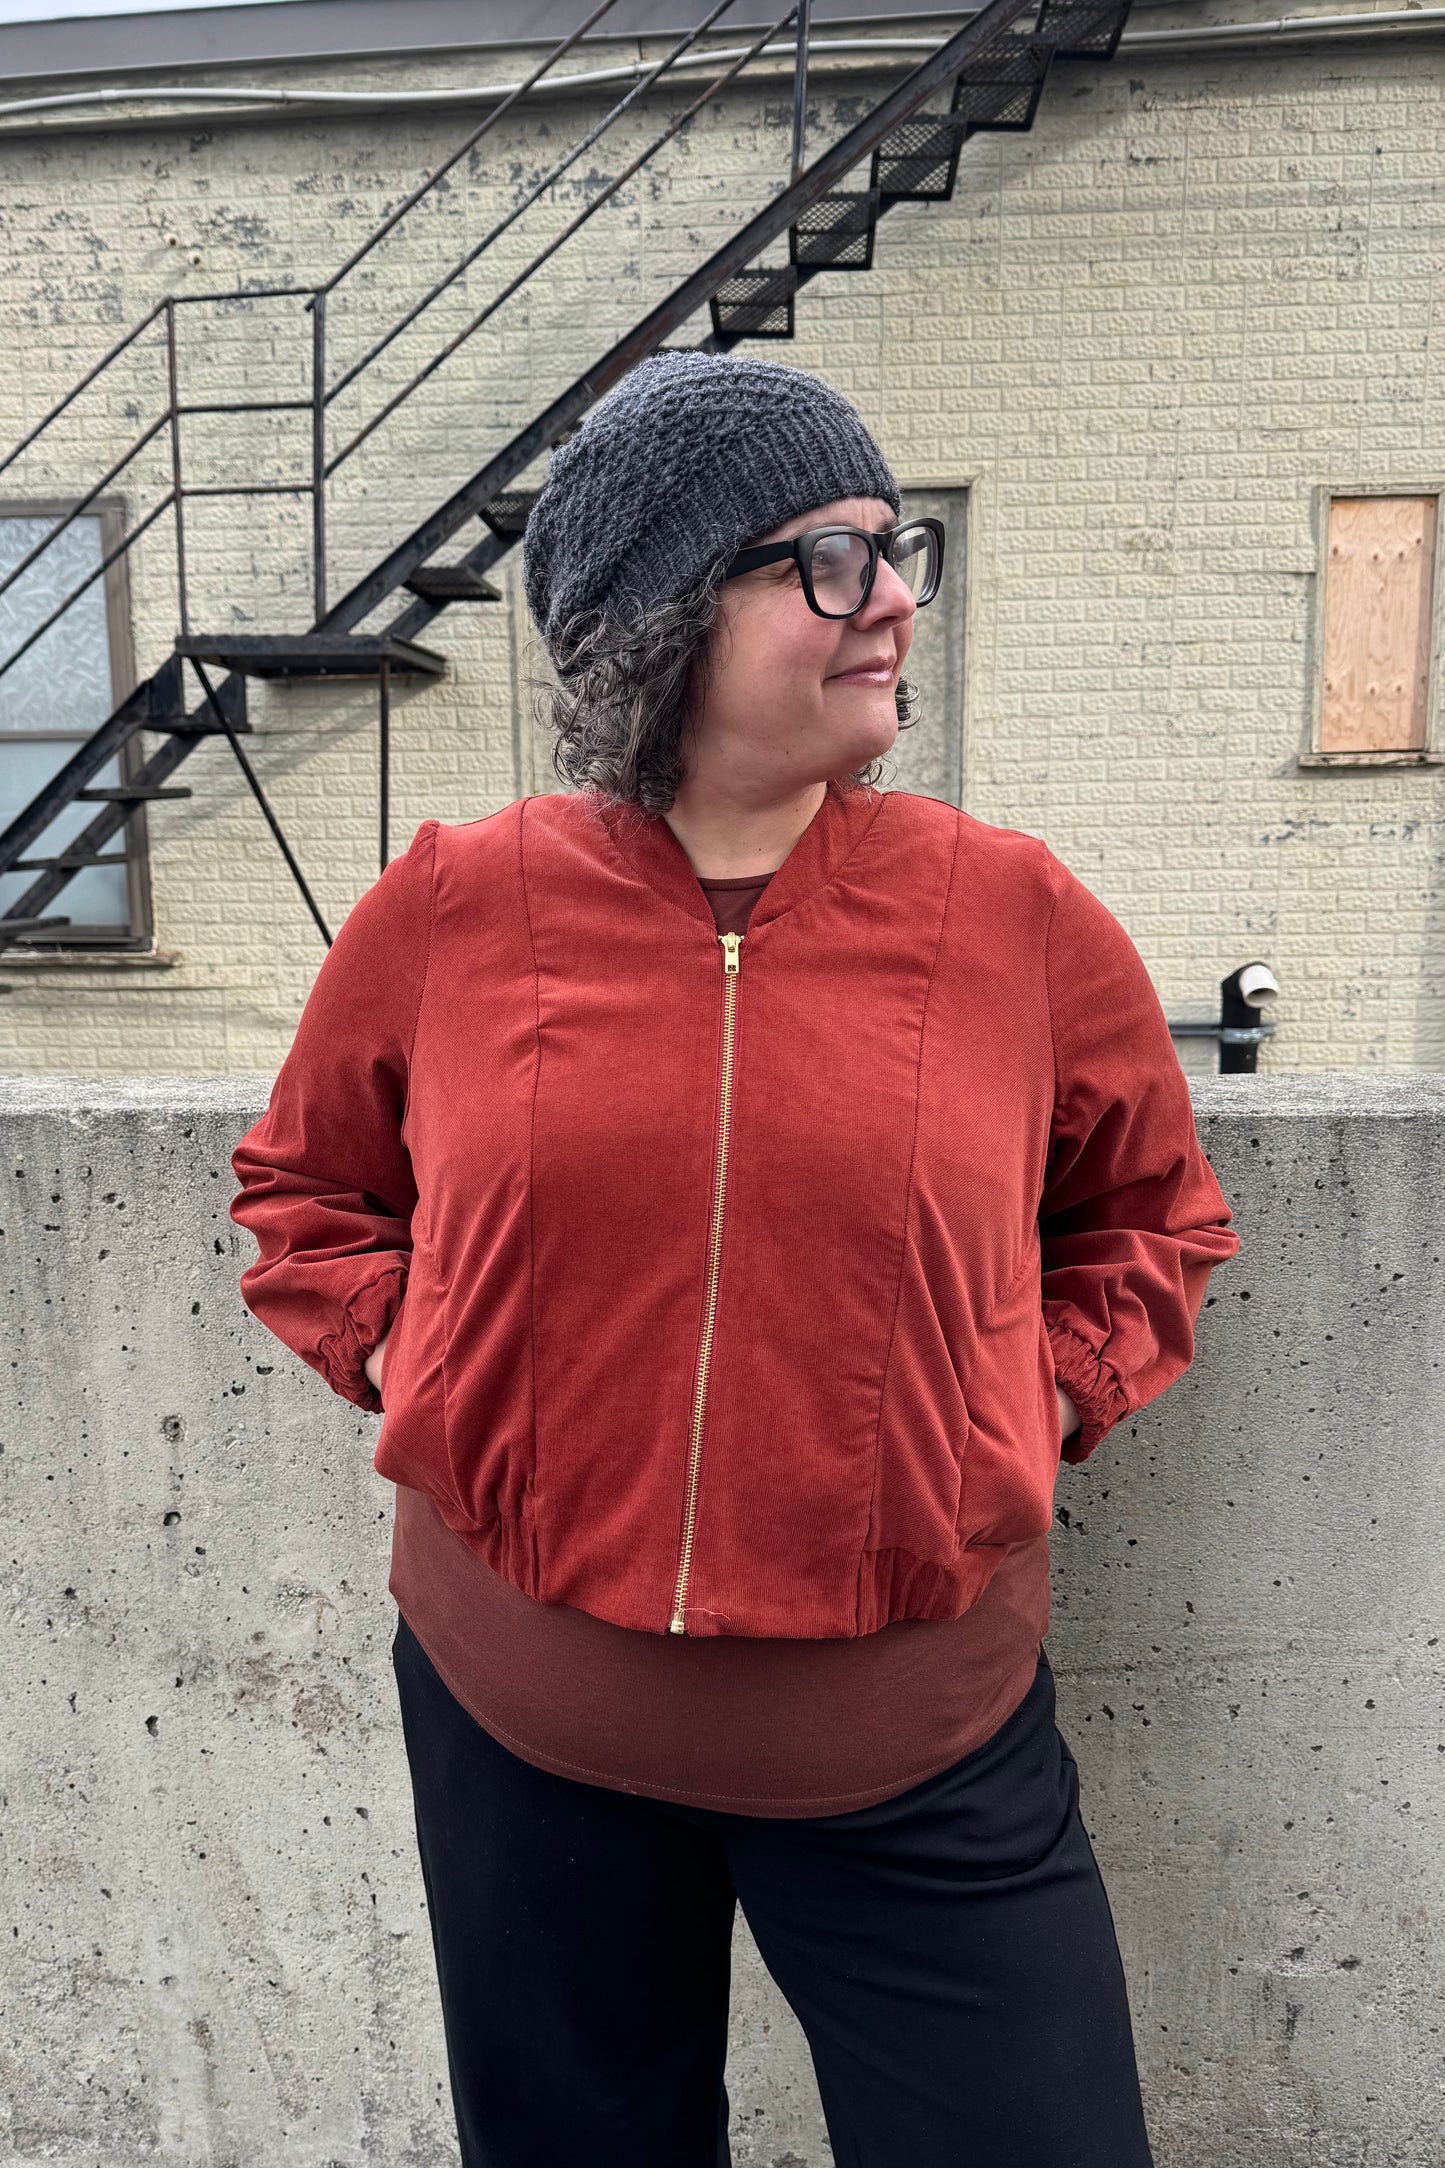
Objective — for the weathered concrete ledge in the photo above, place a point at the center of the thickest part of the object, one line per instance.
(218, 1950)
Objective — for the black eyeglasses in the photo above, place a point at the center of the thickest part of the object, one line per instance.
(838, 565)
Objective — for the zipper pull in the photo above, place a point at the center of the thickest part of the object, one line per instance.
(731, 942)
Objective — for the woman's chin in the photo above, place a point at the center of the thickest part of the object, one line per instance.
(870, 730)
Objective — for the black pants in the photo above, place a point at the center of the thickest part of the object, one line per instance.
(950, 1956)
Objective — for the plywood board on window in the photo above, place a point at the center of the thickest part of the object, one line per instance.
(1379, 579)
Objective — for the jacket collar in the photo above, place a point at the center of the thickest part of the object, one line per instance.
(656, 856)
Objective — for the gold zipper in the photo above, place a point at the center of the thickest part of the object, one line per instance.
(731, 947)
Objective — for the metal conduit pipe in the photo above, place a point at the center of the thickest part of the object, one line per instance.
(462, 94)
(1390, 23)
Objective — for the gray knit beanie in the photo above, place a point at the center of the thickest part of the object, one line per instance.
(691, 455)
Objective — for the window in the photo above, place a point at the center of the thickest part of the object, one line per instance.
(1376, 638)
(56, 694)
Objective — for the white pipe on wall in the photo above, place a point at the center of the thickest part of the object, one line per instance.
(1307, 28)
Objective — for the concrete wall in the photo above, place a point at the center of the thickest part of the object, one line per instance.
(1145, 336)
(217, 1950)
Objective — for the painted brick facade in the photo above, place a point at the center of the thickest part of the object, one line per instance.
(1143, 337)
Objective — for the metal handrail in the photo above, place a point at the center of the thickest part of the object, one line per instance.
(169, 418)
(589, 211)
(394, 218)
(89, 581)
(83, 504)
(548, 180)
(314, 298)
(173, 385)
(324, 465)
(76, 389)
(244, 293)
(800, 88)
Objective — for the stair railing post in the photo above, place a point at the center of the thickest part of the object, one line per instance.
(178, 493)
(318, 450)
(800, 89)
(218, 709)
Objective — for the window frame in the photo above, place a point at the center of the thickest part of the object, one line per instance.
(1432, 752)
(953, 501)
(138, 934)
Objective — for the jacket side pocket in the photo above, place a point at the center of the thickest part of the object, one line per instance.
(1013, 1460)
(413, 1447)
(923, 1433)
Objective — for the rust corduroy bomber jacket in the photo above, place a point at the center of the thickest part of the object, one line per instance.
(738, 1270)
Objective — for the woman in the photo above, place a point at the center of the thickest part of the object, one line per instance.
(779, 1175)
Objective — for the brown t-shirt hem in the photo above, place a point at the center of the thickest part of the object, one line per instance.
(783, 1728)
(991, 1717)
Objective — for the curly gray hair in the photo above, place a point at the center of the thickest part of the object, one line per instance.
(626, 683)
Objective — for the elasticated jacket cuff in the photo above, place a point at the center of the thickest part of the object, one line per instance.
(1091, 1385)
(341, 1355)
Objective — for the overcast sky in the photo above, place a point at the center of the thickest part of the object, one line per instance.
(46, 11)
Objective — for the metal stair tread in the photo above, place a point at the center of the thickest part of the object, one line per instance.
(756, 304)
(837, 232)
(507, 514)
(63, 858)
(1086, 29)
(138, 793)
(451, 583)
(312, 654)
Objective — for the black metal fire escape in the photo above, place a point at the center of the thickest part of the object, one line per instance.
(991, 71)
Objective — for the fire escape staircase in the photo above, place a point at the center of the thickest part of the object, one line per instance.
(991, 71)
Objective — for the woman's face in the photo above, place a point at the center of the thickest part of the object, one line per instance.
(792, 698)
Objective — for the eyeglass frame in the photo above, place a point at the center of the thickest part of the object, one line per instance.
(768, 553)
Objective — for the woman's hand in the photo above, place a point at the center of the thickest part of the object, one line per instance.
(374, 1361)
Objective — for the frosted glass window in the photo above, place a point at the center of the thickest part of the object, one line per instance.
(52, 699)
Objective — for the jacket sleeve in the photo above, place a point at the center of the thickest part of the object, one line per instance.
(1131, 1218)
(326, 1180)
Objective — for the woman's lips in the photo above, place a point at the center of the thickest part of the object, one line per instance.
(878, 672)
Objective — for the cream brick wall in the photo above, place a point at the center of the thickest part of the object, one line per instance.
(1144, 337)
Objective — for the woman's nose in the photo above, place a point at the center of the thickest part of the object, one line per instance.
(891, 597)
